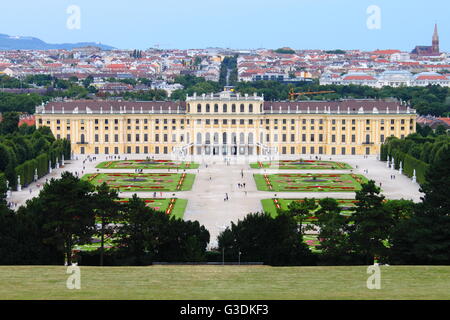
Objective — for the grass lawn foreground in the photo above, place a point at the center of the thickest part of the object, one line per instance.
(229, 282)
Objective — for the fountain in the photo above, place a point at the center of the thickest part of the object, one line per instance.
(414, 178)
(19, 186)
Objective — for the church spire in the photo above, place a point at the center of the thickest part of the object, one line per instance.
(435, 35)
(435, 43)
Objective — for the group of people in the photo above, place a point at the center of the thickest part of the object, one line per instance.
(112, 157)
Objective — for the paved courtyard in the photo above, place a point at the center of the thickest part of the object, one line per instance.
(215, 179)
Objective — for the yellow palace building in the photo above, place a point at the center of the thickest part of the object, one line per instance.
(229, 124)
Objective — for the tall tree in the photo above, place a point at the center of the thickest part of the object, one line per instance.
(372, 223)
(136, 236)
(302, 210)
(67, 205)
(107, 213)
(10, 122)
(259, 237)
(333, 237)
(424, 238)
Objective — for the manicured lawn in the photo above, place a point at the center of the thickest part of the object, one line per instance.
(225, 282)
(147, 164)
(272, 206)
(144, 181)
(300, 165)
(309, 182)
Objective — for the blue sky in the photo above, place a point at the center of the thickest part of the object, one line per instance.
(300, 24)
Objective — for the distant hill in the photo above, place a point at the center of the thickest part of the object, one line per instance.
(30, 43)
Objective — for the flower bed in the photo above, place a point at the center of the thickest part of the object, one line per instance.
(144, 181)
(148, 164)
(301, 164)
(309, 182)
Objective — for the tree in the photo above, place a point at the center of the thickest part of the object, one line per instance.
(302, 210)
(88, 81)
(372, 223)
(135, 237)
(10, 123)
(440, 130)
(107, 212)
(424, 238)
(146, 234)
(333, 237)
(259, 237)
(66, 207)
(437, 183)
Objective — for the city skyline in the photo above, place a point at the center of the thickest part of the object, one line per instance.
(201, 24)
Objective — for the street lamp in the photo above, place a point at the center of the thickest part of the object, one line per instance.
(240, 257)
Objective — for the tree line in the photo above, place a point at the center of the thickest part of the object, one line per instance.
(69, 212)
(430, 100)
(387, 231)
(417, 151)
(26, 149)
(228, 68)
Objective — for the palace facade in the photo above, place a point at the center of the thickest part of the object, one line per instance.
(228, 124)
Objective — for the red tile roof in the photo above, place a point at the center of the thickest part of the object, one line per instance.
(360, 78)
(432, 77)
(386, 52)
(446, 120)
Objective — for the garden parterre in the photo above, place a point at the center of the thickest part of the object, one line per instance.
(272, 206)
(300, 165)
(144, 182)
(147, 164)
(309, 182)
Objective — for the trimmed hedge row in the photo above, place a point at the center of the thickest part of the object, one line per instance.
(27, 169)
(410, 164)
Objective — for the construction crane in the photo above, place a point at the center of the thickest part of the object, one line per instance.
(292, 94)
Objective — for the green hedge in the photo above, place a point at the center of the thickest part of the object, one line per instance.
(409, 163)
(26, 170)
